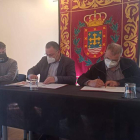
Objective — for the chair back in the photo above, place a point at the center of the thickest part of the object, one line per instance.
(21, 77)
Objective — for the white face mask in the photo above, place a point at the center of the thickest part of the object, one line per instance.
(50, 60)
(110, 64)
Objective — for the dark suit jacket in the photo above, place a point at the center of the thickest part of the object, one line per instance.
(129, 69)
(65, 73)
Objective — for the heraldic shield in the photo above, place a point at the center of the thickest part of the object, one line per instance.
(95, 41)
(95, 35)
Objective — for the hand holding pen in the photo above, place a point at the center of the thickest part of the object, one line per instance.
(96, 83)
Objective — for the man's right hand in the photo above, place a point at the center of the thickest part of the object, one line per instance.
(95, 83)
(32, 76)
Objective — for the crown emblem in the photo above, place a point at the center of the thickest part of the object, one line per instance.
(95, 19)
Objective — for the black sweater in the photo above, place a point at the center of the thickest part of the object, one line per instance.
(129, 69)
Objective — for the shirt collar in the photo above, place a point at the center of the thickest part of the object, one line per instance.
(60, 57)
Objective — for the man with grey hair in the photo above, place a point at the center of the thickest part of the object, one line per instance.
(8, 67)
(54, 67)
(114, 70)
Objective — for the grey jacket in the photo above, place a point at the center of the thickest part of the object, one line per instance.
(8, 71)
(65, 73)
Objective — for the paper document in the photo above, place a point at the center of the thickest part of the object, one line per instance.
(17, 84)
(52, 86)
(40, 85)
(107, 89)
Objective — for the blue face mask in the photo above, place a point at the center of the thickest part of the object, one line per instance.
(3, 58)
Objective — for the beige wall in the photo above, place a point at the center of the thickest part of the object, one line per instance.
(25, 27)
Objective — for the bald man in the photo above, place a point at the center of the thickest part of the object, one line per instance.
(113, 71)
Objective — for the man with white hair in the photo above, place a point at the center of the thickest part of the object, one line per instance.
(114, 70)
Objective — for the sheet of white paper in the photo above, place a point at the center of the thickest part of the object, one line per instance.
(52, 86)
(17, 84)
(107, 89)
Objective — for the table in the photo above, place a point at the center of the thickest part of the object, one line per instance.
(71, 113)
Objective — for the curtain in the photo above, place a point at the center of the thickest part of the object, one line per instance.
(88, 26)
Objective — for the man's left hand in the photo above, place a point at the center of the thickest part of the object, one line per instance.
(112, 83)
(49, 80)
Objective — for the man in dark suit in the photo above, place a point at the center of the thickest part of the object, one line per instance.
(114, 70)
(54, 67)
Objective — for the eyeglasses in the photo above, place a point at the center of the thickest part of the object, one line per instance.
(51, 55)
(111, 60)
(2, 51)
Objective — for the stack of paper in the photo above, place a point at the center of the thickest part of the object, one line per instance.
(18, 84)
(52, 86)
(106, 89)
(40, 85)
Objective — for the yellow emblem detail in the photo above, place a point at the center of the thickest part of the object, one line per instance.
(65, 42)
(85, 46)
(85, 4)
(94, 55)
(85, 38)
(64, 4)
(131, 28)
(87, 53)
(95, 19)
(94, 39)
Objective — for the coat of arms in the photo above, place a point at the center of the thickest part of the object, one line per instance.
(95, 35)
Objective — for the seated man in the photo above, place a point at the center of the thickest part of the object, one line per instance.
(54, 68)
(8, 67)
(112, 71)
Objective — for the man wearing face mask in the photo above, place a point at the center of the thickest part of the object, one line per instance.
(113, 71)
(8, 67)
(54, 67)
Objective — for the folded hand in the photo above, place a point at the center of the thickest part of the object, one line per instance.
(49, 80)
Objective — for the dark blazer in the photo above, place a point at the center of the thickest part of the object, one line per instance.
(66, 70)
(129, 69)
